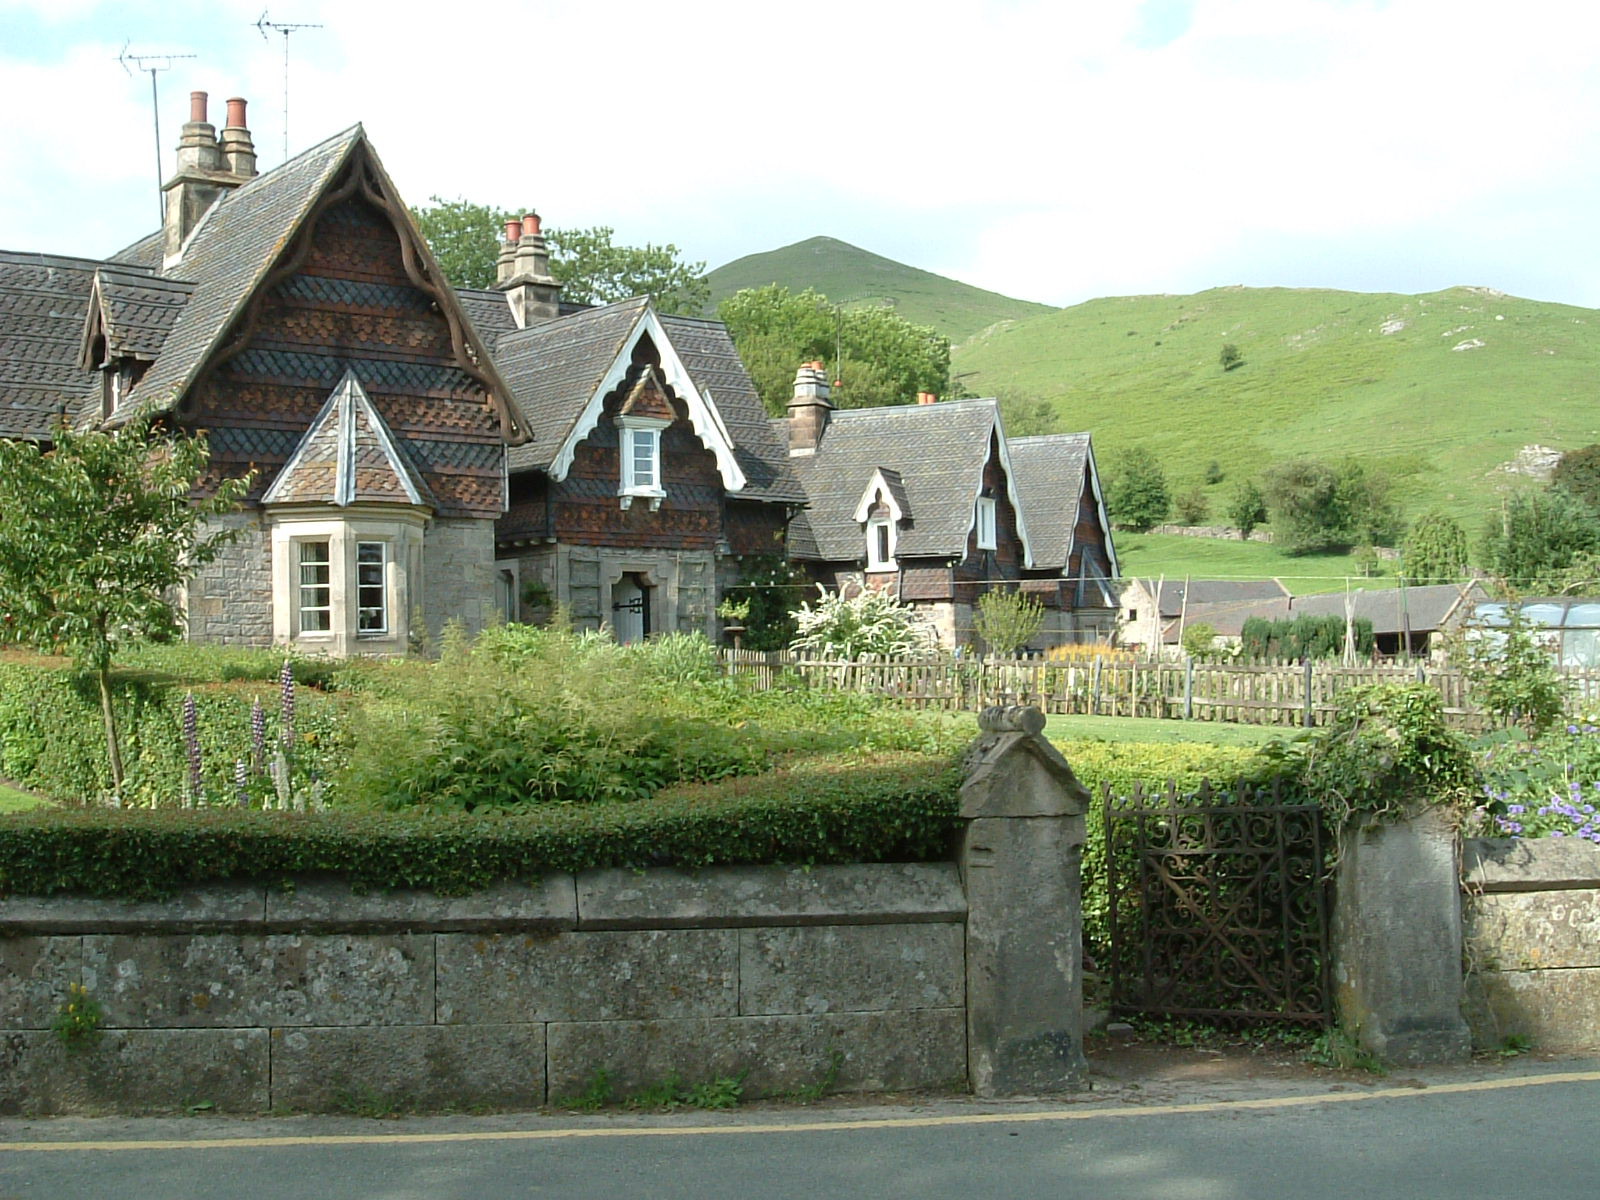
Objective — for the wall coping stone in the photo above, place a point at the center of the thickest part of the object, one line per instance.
(743, 897)
(1530, 864)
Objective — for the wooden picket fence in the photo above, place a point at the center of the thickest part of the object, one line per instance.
(1288, 694)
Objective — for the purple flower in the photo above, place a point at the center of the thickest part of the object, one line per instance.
(241, 781)
(258, 736)
(1516, 808)
(191, 743)
(286, 690)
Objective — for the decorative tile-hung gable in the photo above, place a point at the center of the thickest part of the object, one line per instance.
(346, 518)
(880, 512)
(704, 418)
(644, 415)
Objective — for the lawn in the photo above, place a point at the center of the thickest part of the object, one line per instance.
(11, 800)
(1151, 555)
(1142, 730)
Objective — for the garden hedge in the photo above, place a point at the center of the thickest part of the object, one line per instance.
(891, 808)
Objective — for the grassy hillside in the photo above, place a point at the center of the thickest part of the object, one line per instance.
(848, 274)
(1156, 554)
(1396, 379)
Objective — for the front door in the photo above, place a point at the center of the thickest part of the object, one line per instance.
(630, 609)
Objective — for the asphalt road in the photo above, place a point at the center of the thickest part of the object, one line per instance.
(1525, 1133)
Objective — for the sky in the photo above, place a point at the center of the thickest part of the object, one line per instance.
(1054, 151)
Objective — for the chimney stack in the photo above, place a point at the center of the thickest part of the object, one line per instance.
(524, 275)
(808, 411)
(208, 166)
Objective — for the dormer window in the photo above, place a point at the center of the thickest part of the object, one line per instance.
(880, 544)
(640, 447)
(988, 538)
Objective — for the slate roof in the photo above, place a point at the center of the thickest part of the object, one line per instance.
(137, 310)
(1425, 609)
(227, 257)
(939, 450)
(489, 313)
(43, 298)
(348, 456)
(1212, 591)
(555, 367)
(1049, 471)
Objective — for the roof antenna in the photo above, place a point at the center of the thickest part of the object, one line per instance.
(157, 62)
(286, 29)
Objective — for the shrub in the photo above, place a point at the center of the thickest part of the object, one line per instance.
(1191, 507)
(1544, 788)
(868, 623)
(1302, 637)
(891, 808)
(1513, 674)
(1007, 621)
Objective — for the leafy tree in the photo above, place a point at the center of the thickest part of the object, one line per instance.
(96, 533)
(465, 238)
(1024, 415)
(1536, 536)
(594, 271)
(1317, 506)
(767, 583)
(1303, 637)
(1578, 474)
(868, 623)
(1137, 496)
(1192, 506)
(1435, 550)
(1213, 472)
(1007, 621)
(1230, 357)
(1199, 639)
(877, 356)
(1247, 508)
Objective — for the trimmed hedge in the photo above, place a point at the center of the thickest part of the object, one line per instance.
(891, 808)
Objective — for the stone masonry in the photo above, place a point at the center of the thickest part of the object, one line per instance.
(457, 574)
(229, 600)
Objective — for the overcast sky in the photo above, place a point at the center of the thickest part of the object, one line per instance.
(1054, 151)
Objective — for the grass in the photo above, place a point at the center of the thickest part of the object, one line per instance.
(1148, 730)
(1320, 377)
(851, 275)
(1152, 555)
(14, 800)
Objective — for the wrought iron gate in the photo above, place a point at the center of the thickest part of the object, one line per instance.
(1218, 906)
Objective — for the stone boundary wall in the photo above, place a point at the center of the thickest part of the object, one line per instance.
(252, 998)
(1532, 921)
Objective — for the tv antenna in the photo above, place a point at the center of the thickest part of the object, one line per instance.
(152, 63)
(286, 29)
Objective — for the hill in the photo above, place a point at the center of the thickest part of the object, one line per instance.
(1441, 389)
(851, 275)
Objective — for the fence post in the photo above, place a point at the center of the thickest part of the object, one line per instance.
(1310, 717)
(1021, 862)
(1188, 690)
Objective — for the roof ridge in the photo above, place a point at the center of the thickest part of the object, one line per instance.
(44, 258)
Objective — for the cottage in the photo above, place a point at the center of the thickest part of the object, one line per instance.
(1152, 612)
(932, 503)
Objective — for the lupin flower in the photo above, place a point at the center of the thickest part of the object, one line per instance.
(286, 690)
(258, 736)
(191, 743)
(241, 781)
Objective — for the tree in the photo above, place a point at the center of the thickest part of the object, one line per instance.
(1007, 621)
(466, 239)
(877, 356)
(1230, 357)
(1025, 415)
(1578, 474)
(1435, 550)
(1199, 639)
(1137, 495)
(1317, 506)
(594, 271)
(1536, 536)
(1513, 673)
(1192, 506)
(1247, 508)
(96, 534)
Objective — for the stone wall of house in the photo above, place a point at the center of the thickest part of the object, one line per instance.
(229, 600)
(685, 586)
(458, 581)
(1532, 939)
(250, 998)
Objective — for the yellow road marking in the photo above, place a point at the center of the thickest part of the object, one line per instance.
(1018, 1118)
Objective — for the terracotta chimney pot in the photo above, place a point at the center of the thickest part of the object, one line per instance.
(530, 225)
(197, 106)
(513, 230)
(236, 113)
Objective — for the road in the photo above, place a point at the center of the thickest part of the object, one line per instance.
(1526, 1133)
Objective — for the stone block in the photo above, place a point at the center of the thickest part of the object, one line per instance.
(247, 980)
(851, 968)
(409, 1067)
(888, 893)
(134, 1071)
(1511, 931)
(887, 1051)
(1556, 1010)
(598, 976)
(201, 910)
(325, 905)
(1529, 864)
(1397, 941)
(34, 975)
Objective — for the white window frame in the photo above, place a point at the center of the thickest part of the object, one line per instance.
(881, 530)
(986, 517)
(324, 627)
(385, 557)
(633, 434)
